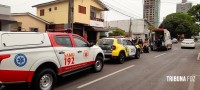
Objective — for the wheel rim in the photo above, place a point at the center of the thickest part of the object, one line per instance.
(46, 82)
(122, 57)
(98, 65)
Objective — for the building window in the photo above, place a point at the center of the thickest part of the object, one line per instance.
(0, 25)
(34, 29)
(49, 9)
(82, 9)
(93, 15)
(55, 8)
(42, 12)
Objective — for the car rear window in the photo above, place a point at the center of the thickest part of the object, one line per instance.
(105, 42)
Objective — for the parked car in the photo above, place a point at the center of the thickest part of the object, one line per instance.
(190, 43)
(40, 58)
(118, 48)
(174, 40)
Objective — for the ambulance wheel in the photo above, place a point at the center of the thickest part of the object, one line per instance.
(44, 79)
(121, 57)
(98, 65)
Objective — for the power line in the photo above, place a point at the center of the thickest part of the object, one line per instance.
(127, 8)
(117, 10)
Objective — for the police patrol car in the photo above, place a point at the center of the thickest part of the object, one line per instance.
(39, 58)
(118, 48)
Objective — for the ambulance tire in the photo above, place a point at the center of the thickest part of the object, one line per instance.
(98, 65)
(44, 79)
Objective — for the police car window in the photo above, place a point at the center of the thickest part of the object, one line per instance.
(80, 43)
(105, 42)
(63, 41)
(124, 42)
(119, 41)
(129, 42)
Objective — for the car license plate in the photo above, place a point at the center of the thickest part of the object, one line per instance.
(187, 43)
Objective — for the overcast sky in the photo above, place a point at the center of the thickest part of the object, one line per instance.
(133, 8)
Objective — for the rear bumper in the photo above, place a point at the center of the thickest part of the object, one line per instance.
(107, 54)
(15, 76)
(185, 45)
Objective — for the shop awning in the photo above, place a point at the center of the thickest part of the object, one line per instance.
(7, 18)
(98, 29)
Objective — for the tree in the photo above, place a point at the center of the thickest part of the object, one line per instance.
(117, 32)
(179, 23)
(151, 27)
(195, 12)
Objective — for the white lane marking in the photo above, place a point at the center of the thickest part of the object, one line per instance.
(191, 85)
(160, 55)
(96, 80)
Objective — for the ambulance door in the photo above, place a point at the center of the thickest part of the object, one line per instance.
(83, 51)
(65, 53)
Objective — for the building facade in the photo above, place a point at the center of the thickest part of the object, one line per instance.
(28, 22)
(183, 7)
(87, 16)
(139, 27)
(5, 18)
(152, 11)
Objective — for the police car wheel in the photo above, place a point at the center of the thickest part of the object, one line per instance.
(98, 65)
(166, 49)
(137, 55)
(121, 58)
(45, 79)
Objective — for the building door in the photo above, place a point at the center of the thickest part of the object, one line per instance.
(92, 36)
(78, 29)
(0, 25)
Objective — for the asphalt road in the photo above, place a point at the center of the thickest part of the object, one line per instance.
(147, 73)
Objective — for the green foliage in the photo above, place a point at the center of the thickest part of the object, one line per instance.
(195, 12)
(151, 27)
(117, 32)
(180, 23)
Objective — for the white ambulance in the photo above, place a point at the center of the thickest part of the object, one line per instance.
(39, 58)
(160, 39)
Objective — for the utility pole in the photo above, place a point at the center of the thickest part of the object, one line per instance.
(130, 31)
(71, 15)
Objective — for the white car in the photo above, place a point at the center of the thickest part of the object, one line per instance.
(190, 43)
